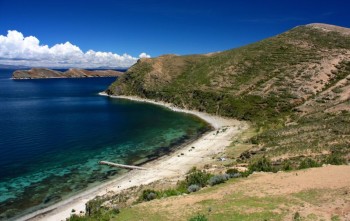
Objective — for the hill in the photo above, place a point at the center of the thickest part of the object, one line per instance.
(294, 87)
(294, 91)
(38, 73)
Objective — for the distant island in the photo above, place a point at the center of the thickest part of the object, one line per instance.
(40, 73)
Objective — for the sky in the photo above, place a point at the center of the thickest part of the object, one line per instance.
(107, 33)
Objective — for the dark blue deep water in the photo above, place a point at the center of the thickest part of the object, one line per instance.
(53, 132)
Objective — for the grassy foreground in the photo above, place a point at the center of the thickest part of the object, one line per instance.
(263, 196)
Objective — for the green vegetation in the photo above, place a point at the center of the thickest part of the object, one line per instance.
(250, 83)
(275, 84)
(297, 216)
(262, 164)
(198, 217)
(195, 180)
(291, 90)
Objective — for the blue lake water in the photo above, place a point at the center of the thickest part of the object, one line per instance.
(53, 133)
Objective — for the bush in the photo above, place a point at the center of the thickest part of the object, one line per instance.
(169, 192)
(246, 173)
(148, 195)
(233, 173)
(287, 165)
(198, 217)
(93, 207)
(75, 217)
(218, 179)
(197, 177)
(334, 159)
(262, 164)
(308, 163)
(114, 209)
(297, 216)
(193, 188)
(151, 196)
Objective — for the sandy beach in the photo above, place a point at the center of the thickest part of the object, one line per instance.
(169, 166)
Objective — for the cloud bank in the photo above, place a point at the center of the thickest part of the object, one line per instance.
(15, 49)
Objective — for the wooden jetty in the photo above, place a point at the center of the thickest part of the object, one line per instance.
(122, 165)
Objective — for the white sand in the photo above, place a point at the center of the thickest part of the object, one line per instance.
(170, 166)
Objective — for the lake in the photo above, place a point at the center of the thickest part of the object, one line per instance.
(53, 133)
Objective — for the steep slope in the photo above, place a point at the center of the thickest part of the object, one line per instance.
(295, 87)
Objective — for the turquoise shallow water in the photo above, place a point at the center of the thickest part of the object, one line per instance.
(53, 132)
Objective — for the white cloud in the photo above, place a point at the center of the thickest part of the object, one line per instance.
(15, 49)
(144, 55)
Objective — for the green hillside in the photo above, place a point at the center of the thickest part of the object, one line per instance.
(294, 88)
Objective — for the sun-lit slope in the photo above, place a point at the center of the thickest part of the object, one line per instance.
(259, 80)
(295, 87)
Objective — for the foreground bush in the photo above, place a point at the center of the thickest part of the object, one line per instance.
(148, 195)
(198, 217)
(197, 177)
(335, 159)
(193, 188)
(308, 163)
(261, 165)
(218, 179)
(233, 173)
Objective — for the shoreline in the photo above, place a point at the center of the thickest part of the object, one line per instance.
(167, 166)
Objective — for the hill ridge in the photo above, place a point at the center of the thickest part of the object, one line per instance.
(293, 87)
(328, 27)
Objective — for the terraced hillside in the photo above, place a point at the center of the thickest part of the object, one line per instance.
(294, 87)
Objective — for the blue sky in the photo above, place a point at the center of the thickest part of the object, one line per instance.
(160, 27)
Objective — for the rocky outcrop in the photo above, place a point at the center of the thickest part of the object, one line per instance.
(38, 73)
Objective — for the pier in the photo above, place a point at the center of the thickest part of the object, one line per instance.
(122, 165)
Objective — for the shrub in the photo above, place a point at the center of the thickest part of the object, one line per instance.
(233, 173)
(297, 216)
(193, 188)
(169, 192)
(75, 217)
(218, 179)
(308, 163)
(198, 217)
(148, 195)
(262, 164)
(151, 196)
(246, 173)
(93, 206)
(287, 165)
(254, 140)
(198, 177)
(114, 209)
(334, 159)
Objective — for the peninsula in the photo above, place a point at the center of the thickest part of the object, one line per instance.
(39, 73)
